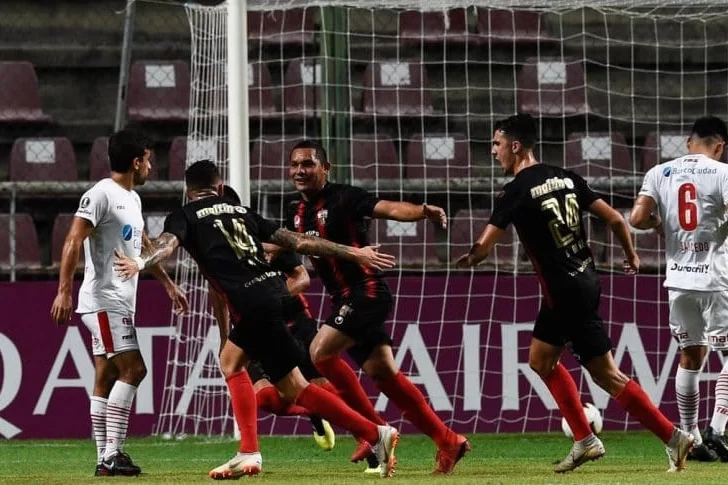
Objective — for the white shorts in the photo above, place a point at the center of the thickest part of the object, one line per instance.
(111, 333)
(699, 318)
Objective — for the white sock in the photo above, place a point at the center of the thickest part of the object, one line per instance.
(688, 398)
(117, 417)
(98, 422)
(720, 411)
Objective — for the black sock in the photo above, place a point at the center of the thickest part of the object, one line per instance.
(372, 460)
(318, 424)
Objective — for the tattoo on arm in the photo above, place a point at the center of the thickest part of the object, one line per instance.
(315, 246)
(160, 249)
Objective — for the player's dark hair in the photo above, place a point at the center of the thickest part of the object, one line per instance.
(319, 150)
(710, 127)
(125, 146)
(202, 174)
(230, 194)
(520, 127)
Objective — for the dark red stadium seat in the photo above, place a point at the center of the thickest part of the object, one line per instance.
(508, 26)
(270, 157)
(396, 89)
(412, 243)
(46, 159)
(599, 155)
(551, 87)
(260, 92)
(98, 160)
(27, 249)
(61, 226)
(662, 147)
(158, 91)
(438, 155)
(292, 26)
(19, 98)
(202, 149)
(434, 27)
(374, 157)
(301, 97)
(468, 225)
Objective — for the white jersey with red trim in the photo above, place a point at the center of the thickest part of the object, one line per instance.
(116, 214)
(691, 193)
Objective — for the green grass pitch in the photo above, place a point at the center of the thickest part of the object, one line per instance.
(632, 458)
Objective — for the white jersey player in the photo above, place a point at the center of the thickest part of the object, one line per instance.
(686, 199)
(108, 222)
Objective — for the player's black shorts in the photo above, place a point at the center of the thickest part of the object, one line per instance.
(362, 318)
(262, 333)
(303, 330)
(573, 320)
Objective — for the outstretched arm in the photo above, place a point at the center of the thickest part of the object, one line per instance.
(619, 227)
(482, 247)
(316, 246)
(159, 250)
(406, 212)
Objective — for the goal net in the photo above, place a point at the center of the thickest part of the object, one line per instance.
(404, 95)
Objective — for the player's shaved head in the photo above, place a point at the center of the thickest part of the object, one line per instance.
(520, 127)
(201, 175)
(710, 127)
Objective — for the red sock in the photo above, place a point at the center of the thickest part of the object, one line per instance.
(245, 410)
(270, 400)
(637, 403)
(563, 388)
(333, 409)
(408, 398)
(329, 387)
(347, 385)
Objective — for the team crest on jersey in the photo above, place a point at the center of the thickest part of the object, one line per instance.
(343, 312)
(296, 221)
(85, 202)
(321, 216)
(667, 171)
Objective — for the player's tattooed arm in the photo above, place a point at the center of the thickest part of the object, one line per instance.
(180, 304)
(159, 250)
(315, 246)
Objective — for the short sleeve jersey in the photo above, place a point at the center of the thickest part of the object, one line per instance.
(116, 214)
(340, 213)
(691, 193)
(225, 241)
(545, 204)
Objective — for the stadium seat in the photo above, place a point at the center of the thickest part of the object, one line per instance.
(393, 88)
(374, 157)
(200, 150)
(158, 91)
(270, 156)
(19, 97)
(551, 87)
(43, 159)
(412, 243)
(598, 155)
(98, 160)
(434, 27)
(300, 94)
(663, 147)
(466, 227)
(280, 27)
(61, 226)
(27, 249)
(438, 155)
(508, 26)
(260, 92)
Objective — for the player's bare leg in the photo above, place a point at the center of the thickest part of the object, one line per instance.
(636, 402)
(381, 367)
(544, 360)
(105, 374)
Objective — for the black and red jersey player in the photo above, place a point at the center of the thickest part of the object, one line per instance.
(361, 298)
(545, 204)
(225, 240)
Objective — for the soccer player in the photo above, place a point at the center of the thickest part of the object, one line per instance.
(225, 241)
(110, 216)
(686, 198)
(362, 300)
(545, 204)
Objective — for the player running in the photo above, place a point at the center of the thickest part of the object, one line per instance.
(686, 199)
(545, 204)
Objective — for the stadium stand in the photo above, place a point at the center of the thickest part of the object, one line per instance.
(158, 91)
(301, 95)
(551, 87)
(281, 27)
(509, 26)
(27, 249)
(43, 159)
(449, 27)
(19, 96)
(590, 155)
(438, 155)
(396, 88)
(269, 157)
(412, 243)
(374, 157)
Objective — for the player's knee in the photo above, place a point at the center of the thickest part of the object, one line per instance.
(378, 370)
(543, 369)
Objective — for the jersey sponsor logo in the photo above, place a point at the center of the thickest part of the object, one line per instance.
(263, 277)
(667, 171)
(218, 209)
(552, 185)
(127, 321)
(84, 202)
(321, 216)
(718, 340)
(683, 268)
(127, 232)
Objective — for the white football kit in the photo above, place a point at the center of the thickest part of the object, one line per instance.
(691, 193)
(105, 302)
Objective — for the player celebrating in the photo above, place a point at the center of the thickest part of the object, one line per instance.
(362, 301)
(545, 204)
(225, 241)
(687, 198)
(110, 216)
